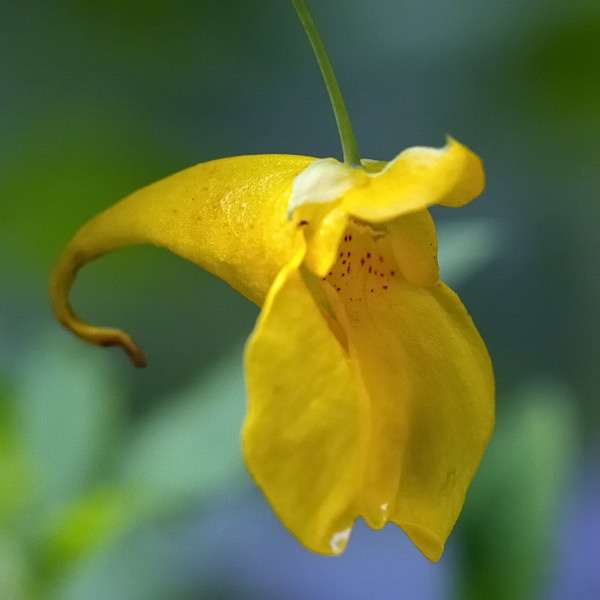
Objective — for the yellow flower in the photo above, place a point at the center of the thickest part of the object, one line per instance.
(370, 392)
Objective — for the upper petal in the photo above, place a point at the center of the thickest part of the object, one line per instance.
(417, 178)
(229, 216)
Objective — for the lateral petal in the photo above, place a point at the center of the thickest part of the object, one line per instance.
(303, 431)
(429, 387)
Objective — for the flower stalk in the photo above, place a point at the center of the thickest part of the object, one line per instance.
(349, 145)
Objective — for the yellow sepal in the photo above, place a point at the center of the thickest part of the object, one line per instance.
(227, 216)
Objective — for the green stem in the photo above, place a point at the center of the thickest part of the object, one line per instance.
(349, 146)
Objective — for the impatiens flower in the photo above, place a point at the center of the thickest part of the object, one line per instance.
(370, 391)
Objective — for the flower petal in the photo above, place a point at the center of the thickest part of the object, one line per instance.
(323, 232)
(302, 435)
(416, 179)
(431, 397)
(414, 241)
(228, 216)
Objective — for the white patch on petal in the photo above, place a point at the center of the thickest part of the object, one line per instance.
(339, 540)
(324, 180)
(384, 507)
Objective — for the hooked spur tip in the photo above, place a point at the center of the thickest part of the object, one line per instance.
(115, 337)
(105, 337)
(61, 280)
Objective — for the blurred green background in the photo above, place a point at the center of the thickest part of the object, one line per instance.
(129, 484)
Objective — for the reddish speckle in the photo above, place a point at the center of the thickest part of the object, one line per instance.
(368, 255)
(348, 253)
(348, 269)
(392, 273)
(370, 268)
(345, 238)
(362, 261)
(339, 289)
(343, 262)
(380, 274)
(349, 238)
(381, 259)
(372, 290)
(385, 287)
(341, 254)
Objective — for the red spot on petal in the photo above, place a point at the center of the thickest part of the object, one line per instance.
(385, 287)
(368, 255)
(392, 273)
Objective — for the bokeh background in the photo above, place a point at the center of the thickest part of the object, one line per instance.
(118, 483)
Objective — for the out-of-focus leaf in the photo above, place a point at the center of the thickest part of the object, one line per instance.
(93, 522)
(66, 416)
(465, 246)
(141, 565)
(512, 510)
(190, 446)
(15, 485)
(15, 578)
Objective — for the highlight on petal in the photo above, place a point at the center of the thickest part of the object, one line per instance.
(228, 216)
(315, 193)
(302, 439)
(417, 178)
(323, 181)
